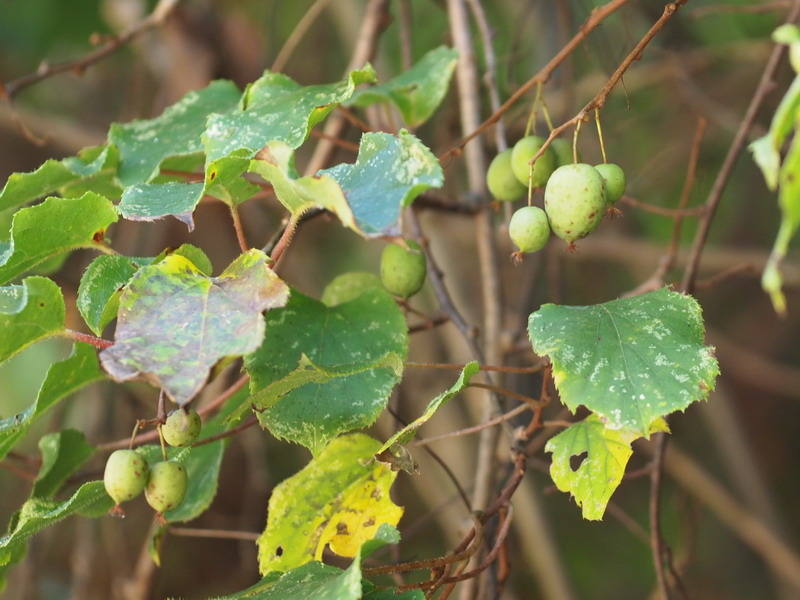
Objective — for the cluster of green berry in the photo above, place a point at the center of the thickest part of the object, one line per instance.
(127, 473)
(576, 195)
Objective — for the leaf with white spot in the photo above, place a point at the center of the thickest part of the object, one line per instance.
(630, 361)
(589, 461)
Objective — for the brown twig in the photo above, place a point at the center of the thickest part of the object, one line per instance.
(474, 429)
(87, 339)
(229, 433)
(501, 391)
(247, 536)
(764, 87)
(456, 367)
(237, 226)
(657, 544)
(598, 15)
(660, 210)
(155, 19)
(309, 16)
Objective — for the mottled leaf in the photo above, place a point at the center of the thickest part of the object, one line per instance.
(340, 499)
(589, 461)
(389, 172)
(53, 227)
(63, 453)
(144, 144)
(418, 91)
(60, 176)
(63, 378)
(151, 201)
(341, 338)
(174, 322)
(407, 433)
(630, 361)
(276, 108)
(28, 313)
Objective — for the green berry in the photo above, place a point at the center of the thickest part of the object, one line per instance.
(575, 201)
(182, 427)
(614, 178)
(166, 485)
(529, 229)
(524, 150)
(403, 270)
(125, 475)
(501, 181)
(562, 148)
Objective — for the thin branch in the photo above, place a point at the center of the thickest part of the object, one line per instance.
(660, 210)
(237, 226)
(87, 339)
(229, 433)
(155, 19)
(474, 429)
(456, 367)
(656, 539)
(247, 536)
(297, 34)
(765, 86)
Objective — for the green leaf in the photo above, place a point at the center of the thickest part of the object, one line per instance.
(389, 172)
(603, 454)
(392, 594)
(340, 499)
(63, 453)
(359, 333)
(63, 378)
(787, 33)
(407, 433)
(766, 150)
(349, 286)
(630, 361)
(98, 299)
(300, 195)
(276, 108)
(789, 202)
(38, 513)
(28, 313)
(418, 91)
(174, 322)
(151, 201)
(224, 179)
(312, 580)
(55, 226)
(144, 144)
(59, 176)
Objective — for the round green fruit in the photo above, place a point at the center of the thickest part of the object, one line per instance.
(562, 148)
(125, 475)
(614, 178)
(575, 201)
(522, 153)
(403, 270)
(166, 485)
(182, 427)
(529, 229)
(501, 181)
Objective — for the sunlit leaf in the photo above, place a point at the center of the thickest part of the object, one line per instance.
(53, 227)
(589, 461)
(340, 499)
(418, 91)
(349, 286)
(28, 313)
(63, 378)
(144, 144)
(276, 108)
(630, 361)
(59, 176)
(389, 173)
(350, 340)
(174, 322)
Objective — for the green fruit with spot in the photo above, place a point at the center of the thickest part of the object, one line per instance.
(403, 270)
(166, 485)
(501, 181)
(182, 427)
(575, 201)
(529, 229)
(522, 153)
(614, 179)
(125, 475)
(562, 148)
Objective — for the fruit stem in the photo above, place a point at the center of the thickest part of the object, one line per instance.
(575, 142)
(599, 133)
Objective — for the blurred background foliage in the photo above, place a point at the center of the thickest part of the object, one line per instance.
(703, 65)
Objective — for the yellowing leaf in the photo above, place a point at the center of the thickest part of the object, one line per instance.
(589, 461)
(340, 499)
